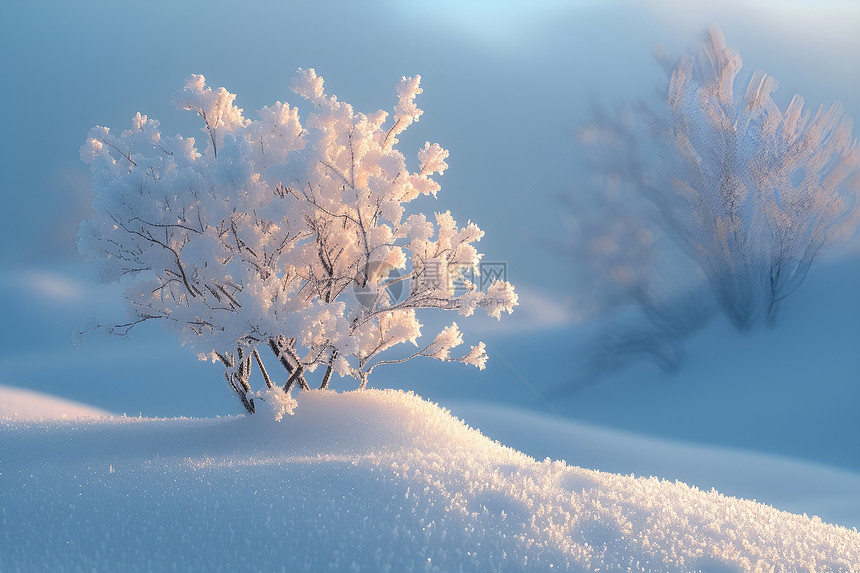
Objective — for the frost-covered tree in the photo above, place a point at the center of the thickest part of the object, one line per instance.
(283, 234)
(712, 184)
(751, 193)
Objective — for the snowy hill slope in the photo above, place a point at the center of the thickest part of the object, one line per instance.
(23, 404)
(790, 484)
(363, 481)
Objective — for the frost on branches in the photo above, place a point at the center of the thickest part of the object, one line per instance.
(282, 234)
(750, 193)
(713, 184)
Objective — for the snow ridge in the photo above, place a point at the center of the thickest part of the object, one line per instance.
(364, 481)
(24, 404)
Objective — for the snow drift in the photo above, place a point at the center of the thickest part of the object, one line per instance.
(363, 481)
(23, 404)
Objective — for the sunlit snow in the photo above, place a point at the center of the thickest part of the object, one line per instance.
(22, 404)
(363, 481)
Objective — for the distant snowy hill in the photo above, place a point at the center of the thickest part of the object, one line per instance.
(22, 404)
(363, 481)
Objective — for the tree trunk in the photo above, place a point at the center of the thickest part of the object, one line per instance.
(238, 387)
(263, 369)
(328, 371)
(294, 377)
(282, 347)
(246, 401)
(237, 378)
(244, 371)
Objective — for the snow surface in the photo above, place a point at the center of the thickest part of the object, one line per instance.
(363, 481)
(791, 484)
(22, 404)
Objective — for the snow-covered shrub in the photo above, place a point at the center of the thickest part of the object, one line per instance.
(288, 234)
(714, 183)
(751, 192)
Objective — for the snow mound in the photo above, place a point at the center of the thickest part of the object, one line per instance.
(21, 404)
(791, 484)
(363, 481)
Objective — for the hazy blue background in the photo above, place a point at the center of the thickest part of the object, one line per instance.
(506, 86)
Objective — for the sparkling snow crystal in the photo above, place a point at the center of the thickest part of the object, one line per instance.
(365, 481)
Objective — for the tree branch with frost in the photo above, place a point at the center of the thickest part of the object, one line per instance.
(289, 234)
(440, 349)
(214, 107)
(747, 191)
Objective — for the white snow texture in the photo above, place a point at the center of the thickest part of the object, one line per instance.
(363, 481)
